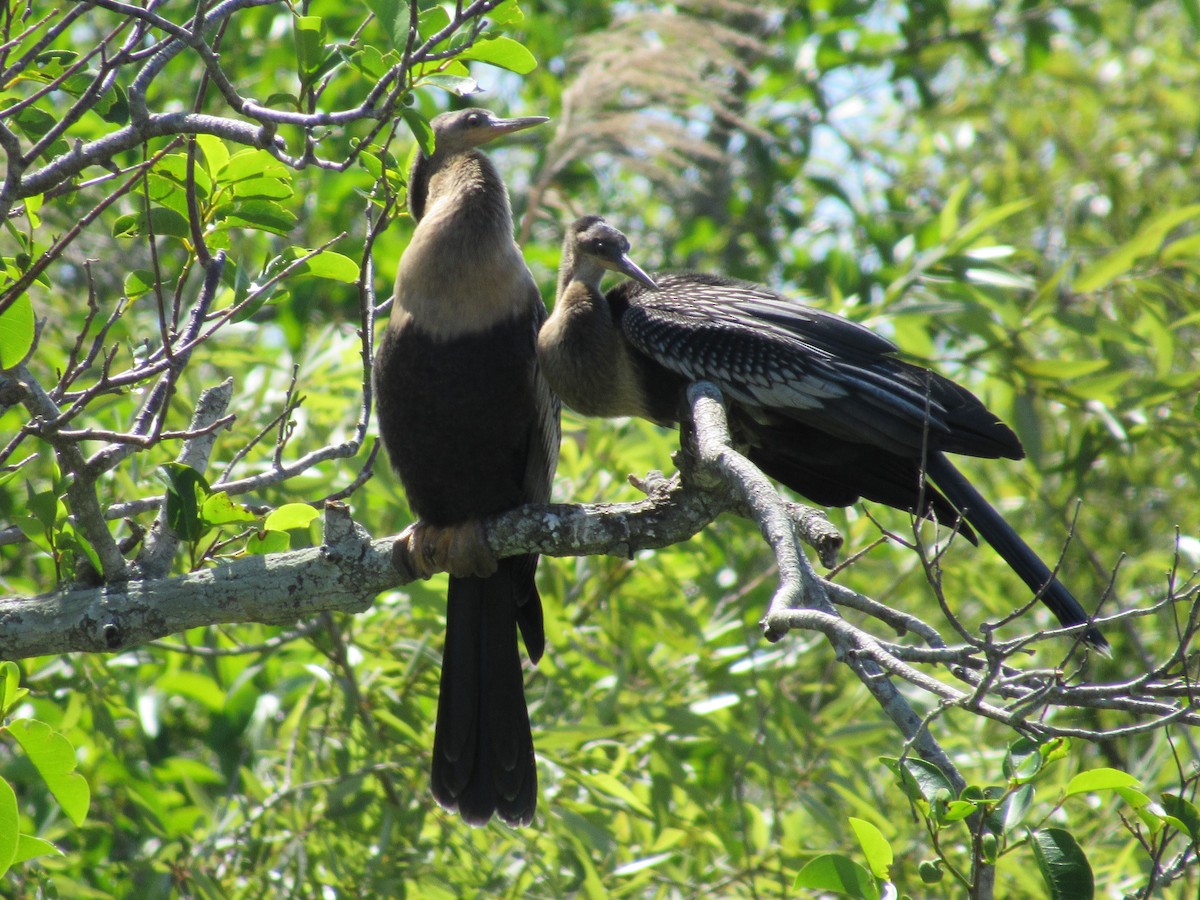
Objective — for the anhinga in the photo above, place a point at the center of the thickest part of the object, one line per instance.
(472, 430)
(822, 403)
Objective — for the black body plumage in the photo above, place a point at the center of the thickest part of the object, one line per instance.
(822, 404)
(472, 430)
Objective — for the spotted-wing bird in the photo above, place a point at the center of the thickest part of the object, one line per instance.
(822, 404)
(472, 429)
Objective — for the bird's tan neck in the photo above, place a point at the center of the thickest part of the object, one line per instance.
(462, 272)
(584, 356)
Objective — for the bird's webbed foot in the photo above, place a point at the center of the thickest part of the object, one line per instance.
(461, 550)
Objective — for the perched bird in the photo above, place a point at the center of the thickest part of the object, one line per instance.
(472, 429)
(822, 403)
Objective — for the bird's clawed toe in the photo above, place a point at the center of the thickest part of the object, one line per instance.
(461, 550)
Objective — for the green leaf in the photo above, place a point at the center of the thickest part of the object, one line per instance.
(1063, 865)
(875, 847)
(113, 107)
(647, 862)
(291, 515)
(615, 788)
(920, 780)
(254, 164)
(1151, 814)
(262, 188)
(327, 264)
(34, 122)
(219, 509)
(164, 221)
(393, 17)
(54, 758)
(138, 282)
(1147, 241)
(1133, 797)
(1103, 779)
(186, 490)
(503, 52)
(948, 217)
(459, 85)
(11, 692)
(1023, 761)
(1185, 813)
(263, 215)
(956, 811)
(17, 331)
(193, 685)
(834, 872)
(215, 154)
(432, 20)
(1192, 8)
(1054, 749)
(310, 45)
(9, 821)
(420, 128)
(29, 847)
(32, 206)
(507, 13)
(1015, 807)
(75, 539)
(268, 542)
(45, 507)
(370, 61)
(981, 223)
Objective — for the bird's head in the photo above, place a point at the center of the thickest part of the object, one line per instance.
(464, 129)
(596, 239)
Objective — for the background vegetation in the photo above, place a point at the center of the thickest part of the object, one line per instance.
(1008, 189)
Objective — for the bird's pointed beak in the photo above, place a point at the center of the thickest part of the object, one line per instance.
(508, 126)
(627, 266)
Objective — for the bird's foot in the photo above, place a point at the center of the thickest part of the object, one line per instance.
(461, 550)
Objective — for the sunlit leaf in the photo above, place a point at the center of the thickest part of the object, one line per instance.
(309, 32)
(291, 515)
(834, 872)
(420, 128)
(328, 264)
(263, 215)
(264, 542)
(1147, 241)
(11, 692)
(10, 821)
(393, 18)
(503, 52)
(17, 331)
(29, 847)
(54, 758)
(220, 509)
(875, 847)
(1103, 779)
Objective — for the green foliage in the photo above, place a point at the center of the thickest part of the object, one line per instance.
(1004, 190)
(53, 759)
(995, 819)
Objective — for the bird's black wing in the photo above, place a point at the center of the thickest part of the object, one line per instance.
(831, 412)
(771, 354)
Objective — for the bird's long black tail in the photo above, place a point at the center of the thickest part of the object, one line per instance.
(483, 760)
(1012, 549)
